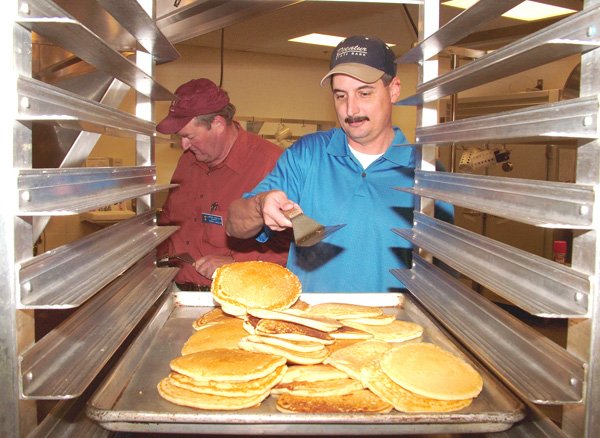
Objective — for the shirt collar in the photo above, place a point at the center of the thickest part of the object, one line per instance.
(239, 154)
(400, 152)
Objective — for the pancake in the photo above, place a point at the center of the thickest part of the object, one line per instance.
(382, 319)
(346, 332)
(403, 400)
(254, 284)
(301, 346)
(396, 331)
(225, 333)
(297, 357)
(344, 310)
(224, 364)
(297, 317)
(230, 389)
(277, 327)
(342, 343)
(354, 357)
(363, 401)
(185, 397)
(430, 371)
(312, 373)
(319, 388)
(213, 315)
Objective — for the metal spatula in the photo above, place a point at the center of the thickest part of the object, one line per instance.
(173, 260)
(308, 231)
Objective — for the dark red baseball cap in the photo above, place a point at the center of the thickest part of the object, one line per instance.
(194, 98)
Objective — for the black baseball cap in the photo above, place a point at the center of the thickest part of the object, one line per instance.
(361, 57)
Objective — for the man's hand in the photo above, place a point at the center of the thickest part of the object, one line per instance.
(206, 265)
(271, 205)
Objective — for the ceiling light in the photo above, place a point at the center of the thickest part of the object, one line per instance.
(529, 10)
(320, 39)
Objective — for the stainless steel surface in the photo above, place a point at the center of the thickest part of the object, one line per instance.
(461, 26)
(69, 275)
(191, 18)
(540, 286)
(540, 203)
(136, 20)
(42, 102)
(55, 24)
(67, 191)
(567, 37)
(307, 231)
(534, 366)
(128, 399)
(568, 119)
(63, 363)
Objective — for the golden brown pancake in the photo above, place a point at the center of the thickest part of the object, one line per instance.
(212, 315)
(301, 346)
(225, 333)
(403, 400)
(312, 373)
(297, 317)
(396, 331)
(346, 332)
(275, 327)
(230, 388)
(319, 388)
(354, 357)
(344, 310)
(359, 401)
(185, 397)
(430, 371)
(382, 319)
(297, 357)
(255, 284)
(222, 364)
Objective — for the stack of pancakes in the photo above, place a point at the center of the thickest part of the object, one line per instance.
(222, 378)
(322, 358)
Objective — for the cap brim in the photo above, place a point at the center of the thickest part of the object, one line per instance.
(172, 125)
(361, 72)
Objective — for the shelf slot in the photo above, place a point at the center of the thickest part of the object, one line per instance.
(529, 363)
(546, 204)
(45, 103)
(568, 37)
(67, 276)
(55, 24)
(564, 120)
(535, 284)
(455, 30)
(64, 362)
(53, 192)
(138, 23)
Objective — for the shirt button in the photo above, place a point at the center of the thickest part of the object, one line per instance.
(363, 174)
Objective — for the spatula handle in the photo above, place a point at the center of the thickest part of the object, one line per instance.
(291, 214)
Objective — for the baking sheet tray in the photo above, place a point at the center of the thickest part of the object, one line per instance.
(128, 400)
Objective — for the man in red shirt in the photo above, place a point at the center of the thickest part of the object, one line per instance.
(220, 161)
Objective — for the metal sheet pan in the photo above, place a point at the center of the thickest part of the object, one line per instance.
(128, 400)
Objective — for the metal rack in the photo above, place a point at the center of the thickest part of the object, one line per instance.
(108, 279)
(537, 369)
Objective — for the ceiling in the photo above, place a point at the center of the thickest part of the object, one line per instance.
(268, 29)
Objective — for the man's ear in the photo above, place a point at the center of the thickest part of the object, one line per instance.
(394, 88)
(218, 123)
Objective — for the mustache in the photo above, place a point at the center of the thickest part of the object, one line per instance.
(356, 119)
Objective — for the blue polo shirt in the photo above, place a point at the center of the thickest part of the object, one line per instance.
(321, 174)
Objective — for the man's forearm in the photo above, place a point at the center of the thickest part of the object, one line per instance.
(245, 218)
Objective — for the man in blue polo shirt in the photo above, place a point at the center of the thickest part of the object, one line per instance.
(344, 176)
